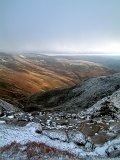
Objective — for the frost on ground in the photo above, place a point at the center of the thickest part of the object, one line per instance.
(34, 151)
(26, 134)
(23, 135)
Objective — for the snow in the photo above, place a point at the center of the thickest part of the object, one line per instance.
(2, 122)
(56, 134)
(9, 133)
(22, 135)
(96, 107)
(3, 60)
(11, 116)
(76, 137)
(21, 56)
(115, 99)
(32, 127)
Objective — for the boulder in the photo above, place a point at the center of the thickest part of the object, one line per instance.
(113, 150)
(9, 108)
(56, 134)
(89, 146)
(34, 127)
(76, 137)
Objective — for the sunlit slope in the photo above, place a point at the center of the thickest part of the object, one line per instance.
(21, 76)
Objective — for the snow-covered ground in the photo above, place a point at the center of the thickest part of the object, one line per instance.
(23, 135)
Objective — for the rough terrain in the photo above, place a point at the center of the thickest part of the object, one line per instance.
(92, 132)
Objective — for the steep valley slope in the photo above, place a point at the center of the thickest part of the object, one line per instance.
(23, 75)
(75, 98)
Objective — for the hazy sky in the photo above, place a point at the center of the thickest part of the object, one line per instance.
(60, 25)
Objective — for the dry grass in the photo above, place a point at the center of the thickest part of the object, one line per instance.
(23, 77)
(13, 147)
(36, 150)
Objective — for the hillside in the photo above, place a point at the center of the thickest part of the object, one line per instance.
(112, 62)
(76, 98)
(23, 75)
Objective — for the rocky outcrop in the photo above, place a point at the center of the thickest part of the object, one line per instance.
(77, 137)
(109, 105)
(56, 135)
(7, 107)
(34, 127)
(67, 136)
(113, 150)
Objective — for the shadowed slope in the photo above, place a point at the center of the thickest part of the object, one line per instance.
(76, 98)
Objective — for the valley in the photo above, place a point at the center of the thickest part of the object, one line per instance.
(23, 75)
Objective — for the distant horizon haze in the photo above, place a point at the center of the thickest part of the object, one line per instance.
(53, 53)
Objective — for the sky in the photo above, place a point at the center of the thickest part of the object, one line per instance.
(73, 26)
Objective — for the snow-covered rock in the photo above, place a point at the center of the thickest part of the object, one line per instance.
(7, 106)
(56, 135)
(34, 127)
(2, 122)
(109, 104)
(76, 137)
(115, 99)
(113, 150)
(89, 146)
(23, 135)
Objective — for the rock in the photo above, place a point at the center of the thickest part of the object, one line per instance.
(7, 106)
(89, 146)
(74, 116)
(115, 99)
(1, 112)
(113, 151)
(76, 137)
(56, 135)
(34, 127)
(111, 135)
(2, 122)
(25, 117)
(15, 121)
(116, 127)
(100, 139)
(34, 113)
(62, 122)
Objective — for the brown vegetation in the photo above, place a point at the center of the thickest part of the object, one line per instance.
(35, 150)
(20, 77)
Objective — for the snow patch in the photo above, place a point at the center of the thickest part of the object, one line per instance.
(21, 56)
